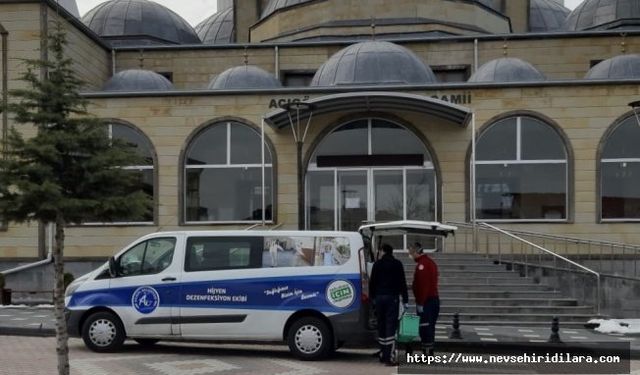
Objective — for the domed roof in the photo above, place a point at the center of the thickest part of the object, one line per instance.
(546, 15)
(373, 62)
(244, 77)
(605, 14)
(507, 69)
(619, 67)
(137, 80)
(275, 5)
(139, 22)
(217, 29)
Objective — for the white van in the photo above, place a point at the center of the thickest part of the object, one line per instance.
(308, 288)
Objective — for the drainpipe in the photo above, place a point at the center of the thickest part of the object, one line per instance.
(475, 55)
(277, 62)
(43, 262)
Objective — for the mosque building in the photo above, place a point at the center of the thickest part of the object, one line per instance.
(368, 110)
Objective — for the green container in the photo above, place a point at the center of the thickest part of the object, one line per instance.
(408, 330)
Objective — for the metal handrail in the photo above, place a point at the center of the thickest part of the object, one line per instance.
(547, 251)
(563, 238)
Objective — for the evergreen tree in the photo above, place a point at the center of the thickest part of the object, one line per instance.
(70, 171)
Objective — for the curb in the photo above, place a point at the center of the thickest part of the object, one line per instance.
(30, 332)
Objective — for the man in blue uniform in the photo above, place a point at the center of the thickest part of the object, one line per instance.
(387, 284)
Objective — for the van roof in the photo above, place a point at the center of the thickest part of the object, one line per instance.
(254, 233)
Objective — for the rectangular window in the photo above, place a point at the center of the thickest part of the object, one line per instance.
(222, 253)
(297, 78)
(451, 73)
(620, 193)
(167, 75)
(286, 251)
(227, 194)
(522, 191)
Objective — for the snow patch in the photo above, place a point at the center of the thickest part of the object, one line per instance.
(624, 326)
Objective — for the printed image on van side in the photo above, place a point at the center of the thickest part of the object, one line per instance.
(308, 289)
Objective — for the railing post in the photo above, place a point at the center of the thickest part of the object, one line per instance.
(486, 249)
(598, 294)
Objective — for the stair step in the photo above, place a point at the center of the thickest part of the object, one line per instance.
(462, 273)
(516, 317)
(508, 301)
(492, 287)
(499, 294)
(481, 310)
(488, 280)
(515, 324)
(443, 268)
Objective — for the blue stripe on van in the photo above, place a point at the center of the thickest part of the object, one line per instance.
(269, 293)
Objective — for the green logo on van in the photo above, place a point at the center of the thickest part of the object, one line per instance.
(340, 293)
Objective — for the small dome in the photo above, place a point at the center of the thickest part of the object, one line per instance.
(139, 22)
(244, 77)
(619, 67)
(275, 5)
(373, 62)
(507, 69)
(547, 15)
(137, 80)
(604, 15)
(217, 29)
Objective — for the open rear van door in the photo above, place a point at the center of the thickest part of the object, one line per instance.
(402, 227)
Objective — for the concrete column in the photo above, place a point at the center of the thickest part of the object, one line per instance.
(246, 13)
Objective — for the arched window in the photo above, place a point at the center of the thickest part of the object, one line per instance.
(145, 170)
(369, 170)
(620, 172)
(223, 175)
(521, 172)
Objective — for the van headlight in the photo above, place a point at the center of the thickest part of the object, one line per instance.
(71, 289)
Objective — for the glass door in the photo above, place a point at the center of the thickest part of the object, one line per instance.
(353, 199)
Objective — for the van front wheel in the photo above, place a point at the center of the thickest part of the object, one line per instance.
(103, 332)
(310, 338)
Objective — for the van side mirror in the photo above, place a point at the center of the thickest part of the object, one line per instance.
(113, 267)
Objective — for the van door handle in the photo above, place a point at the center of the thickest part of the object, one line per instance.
(169, 279)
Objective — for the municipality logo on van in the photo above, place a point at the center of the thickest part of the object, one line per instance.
(145, 299)
(340, 293)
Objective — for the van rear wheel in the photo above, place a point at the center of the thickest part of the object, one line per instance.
(310, 339)
(103, 332)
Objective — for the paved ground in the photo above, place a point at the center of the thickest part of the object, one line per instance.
(30, 320)
(20, 355)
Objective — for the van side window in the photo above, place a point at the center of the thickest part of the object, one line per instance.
(148, 257)
(286, 251)
(221, 253)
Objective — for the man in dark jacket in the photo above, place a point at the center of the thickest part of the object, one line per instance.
(386, 285)
(425, 289)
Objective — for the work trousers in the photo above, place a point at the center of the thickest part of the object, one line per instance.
(428, 319)
(387, 315)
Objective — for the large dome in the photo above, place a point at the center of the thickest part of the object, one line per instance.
(605, 15)
(139, 22)
(373, 62)
(244, 77)
(619, 67)
(506, 69)
(547, 15)
(217, 29)
(137, 80)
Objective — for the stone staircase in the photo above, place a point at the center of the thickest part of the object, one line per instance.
(484, 293)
